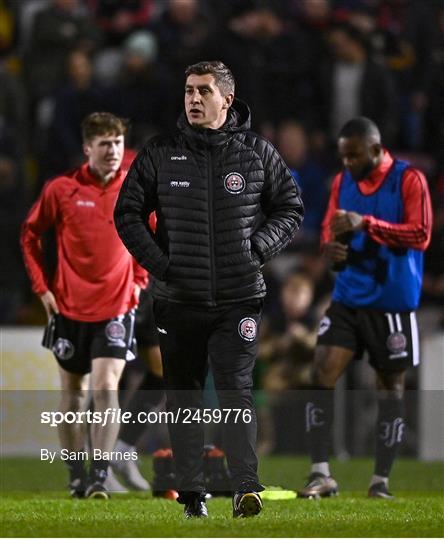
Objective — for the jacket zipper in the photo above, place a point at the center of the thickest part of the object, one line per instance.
(211, 227)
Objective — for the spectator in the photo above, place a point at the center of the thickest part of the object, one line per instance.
(291, 352)
(76, 99)
(119, 18)
(434, 125)
(351, 83)
(287, 67)
(12, 109)
(12, 206)
(236, 46)
(8, 27)
(269, 58)
(293, 145)
(409, 32)
(402, 34)
(180, 31)
(12, 192)
(142, 92)
(56, 31)
(314, 17)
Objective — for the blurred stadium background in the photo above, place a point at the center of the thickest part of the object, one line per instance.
(62, 59)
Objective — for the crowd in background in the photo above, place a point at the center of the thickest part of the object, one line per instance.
(303, 66)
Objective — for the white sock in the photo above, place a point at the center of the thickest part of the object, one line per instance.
(122, 446)
(378, 479)
(322, 468)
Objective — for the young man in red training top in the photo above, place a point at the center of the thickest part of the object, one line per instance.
(91, 301)
(377, 226)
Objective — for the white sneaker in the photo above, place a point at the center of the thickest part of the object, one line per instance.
(131, 474)
(112, 484)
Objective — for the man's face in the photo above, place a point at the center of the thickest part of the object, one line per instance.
(358, 155)
(105, 153)
(205, 106)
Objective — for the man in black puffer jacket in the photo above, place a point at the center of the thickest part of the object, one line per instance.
(226, 203)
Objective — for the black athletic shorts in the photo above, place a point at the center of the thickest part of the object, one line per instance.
(391, 339)
(75, 343)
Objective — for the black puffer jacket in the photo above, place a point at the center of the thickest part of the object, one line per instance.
(225, 202)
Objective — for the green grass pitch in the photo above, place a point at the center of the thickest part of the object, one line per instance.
(33, 504)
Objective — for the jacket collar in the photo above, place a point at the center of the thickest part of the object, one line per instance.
(238, 119)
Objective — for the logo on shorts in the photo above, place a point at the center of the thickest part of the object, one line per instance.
(248, 329)
(115, 331)
(396, 342)
(324, 325)
(63, 349)
(234, 183)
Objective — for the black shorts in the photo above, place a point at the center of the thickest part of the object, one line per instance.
(75, 343)
(391, 339)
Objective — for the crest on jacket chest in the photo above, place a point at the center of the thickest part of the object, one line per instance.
(234, 183)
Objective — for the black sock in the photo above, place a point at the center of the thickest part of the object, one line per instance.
(99, 470)
(76, 468)
(389, 433)
(148, 395)
(318, 422)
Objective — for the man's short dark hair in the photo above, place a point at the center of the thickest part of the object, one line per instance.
(102, 123)
(222, 75)
(360, 127)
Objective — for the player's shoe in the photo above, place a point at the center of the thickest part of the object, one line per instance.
(380, 491)
(97, 490)
(77, 488)
(246, 504)
(196, 508)
(112, 484)
(319, 485)
(131, 474)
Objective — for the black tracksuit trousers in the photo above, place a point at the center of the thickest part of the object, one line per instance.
(227, 337)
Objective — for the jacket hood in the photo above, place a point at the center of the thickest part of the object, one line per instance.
(238, 119)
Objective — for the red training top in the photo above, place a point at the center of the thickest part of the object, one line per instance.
(95, 275)
(414, 232)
